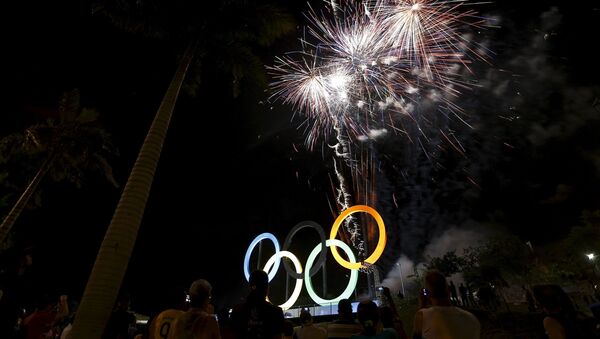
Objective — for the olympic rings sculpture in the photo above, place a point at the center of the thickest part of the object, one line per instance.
(313, 267)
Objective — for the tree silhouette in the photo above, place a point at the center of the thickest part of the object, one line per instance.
(67, 148)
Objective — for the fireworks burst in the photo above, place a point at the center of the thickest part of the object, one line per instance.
(427, 33)
(368, 66)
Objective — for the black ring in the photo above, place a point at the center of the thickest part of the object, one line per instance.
(322, 257)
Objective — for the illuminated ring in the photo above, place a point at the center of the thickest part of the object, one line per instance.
(380, 243)
(288, 241)
(255, 242)
(353, 273)
(276, 258)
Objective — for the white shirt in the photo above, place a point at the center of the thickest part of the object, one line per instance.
(449, 322)
(310, 332)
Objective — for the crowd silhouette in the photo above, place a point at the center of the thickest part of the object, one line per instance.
(444, 311)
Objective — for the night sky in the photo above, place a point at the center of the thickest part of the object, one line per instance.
(233, 168)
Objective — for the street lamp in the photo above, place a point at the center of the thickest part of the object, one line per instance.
(401, 279)
(592, 257)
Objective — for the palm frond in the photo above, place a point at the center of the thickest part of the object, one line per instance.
(69, 105)
(87, 116)
(106, 169)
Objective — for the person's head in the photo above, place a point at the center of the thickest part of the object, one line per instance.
(305, 317)
(368, 316)
(345, 309)
(436, 285)
(552, 298)
(200, 293)
(259, 282)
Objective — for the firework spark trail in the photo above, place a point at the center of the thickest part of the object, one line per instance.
(368, 67)
(319, 94)
(343, 197)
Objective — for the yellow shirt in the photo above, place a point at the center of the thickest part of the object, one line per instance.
(162, 325)
(195, 324)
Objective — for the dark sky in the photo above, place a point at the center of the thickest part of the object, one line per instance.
(232, 169)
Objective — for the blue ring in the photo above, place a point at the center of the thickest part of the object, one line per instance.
(253, 244)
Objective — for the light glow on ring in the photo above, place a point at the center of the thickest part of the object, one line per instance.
(276, 258)
(272, 265)
(380, 243)
(255, 242)
(353, 273)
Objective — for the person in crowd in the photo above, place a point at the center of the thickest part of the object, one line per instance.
(442, 319)
(121, 319)
(390, 320)
(307, 329)
(17, 292)
(44, 321)
(257, 318)
(453, 295)
(345, 325)
(389, 314)
(529, 298)
(368, 317)
(464, 299)
(67, 324)
(198, 322)
(561, 320)
(159, 325)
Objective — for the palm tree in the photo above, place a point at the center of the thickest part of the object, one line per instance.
(71, 145)
(233, 39)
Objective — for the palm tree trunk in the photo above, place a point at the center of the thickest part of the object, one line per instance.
(15, 212)
(112, 260)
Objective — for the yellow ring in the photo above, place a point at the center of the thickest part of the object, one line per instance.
(380, 243)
